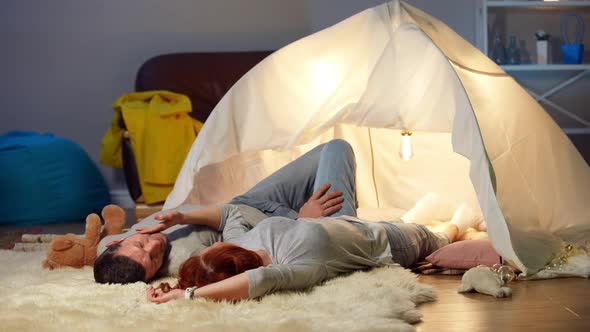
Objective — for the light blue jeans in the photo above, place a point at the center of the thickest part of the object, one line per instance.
(285, 191)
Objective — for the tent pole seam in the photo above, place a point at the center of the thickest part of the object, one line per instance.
(373, 167)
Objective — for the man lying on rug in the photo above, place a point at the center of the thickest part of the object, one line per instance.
(132, 257)
(293, 254)
(282, 253)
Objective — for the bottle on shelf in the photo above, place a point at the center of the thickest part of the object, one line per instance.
(513, 52)
(498, 51)
(525, 55)
(542, 47)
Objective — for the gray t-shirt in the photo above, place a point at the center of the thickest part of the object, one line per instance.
(188, 240)
(306, 251)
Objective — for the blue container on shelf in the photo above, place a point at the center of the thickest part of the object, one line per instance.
(572, 52)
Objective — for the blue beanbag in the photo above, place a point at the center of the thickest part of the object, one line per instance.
(46, 179)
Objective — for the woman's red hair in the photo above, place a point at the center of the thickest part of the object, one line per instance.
(217, 263)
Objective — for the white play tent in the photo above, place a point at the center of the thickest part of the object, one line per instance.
(477, 136)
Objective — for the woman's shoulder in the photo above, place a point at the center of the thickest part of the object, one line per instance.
(281, 225)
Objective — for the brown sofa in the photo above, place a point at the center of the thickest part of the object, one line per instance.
(203, 77)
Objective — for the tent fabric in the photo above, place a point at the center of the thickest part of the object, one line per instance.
(478, 137)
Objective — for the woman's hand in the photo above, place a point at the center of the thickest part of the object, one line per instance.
(321, 204)
(158, 296)
(167, 220)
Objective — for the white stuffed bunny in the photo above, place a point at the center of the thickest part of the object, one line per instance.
(433, 208)
(483, 280)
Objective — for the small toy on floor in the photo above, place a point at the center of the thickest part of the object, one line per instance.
(37, 238)
(27, 246)
(485, 280)
(433, 210)
(74, 251)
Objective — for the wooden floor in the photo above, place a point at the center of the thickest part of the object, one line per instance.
(543, 305)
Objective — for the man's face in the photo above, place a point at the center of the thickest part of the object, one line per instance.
(146, 249)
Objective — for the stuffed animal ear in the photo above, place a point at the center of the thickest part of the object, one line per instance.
(65, 250)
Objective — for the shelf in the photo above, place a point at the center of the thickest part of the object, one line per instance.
(521, 19)
(576, 131)
(539, 4)
(553, 67)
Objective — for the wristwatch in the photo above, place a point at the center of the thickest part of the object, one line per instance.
(189, 293)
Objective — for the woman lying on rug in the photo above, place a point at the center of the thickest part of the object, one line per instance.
(282, 253)
(313, 184)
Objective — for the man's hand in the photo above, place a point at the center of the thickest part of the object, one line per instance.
(167, 220)
(158, 296)
(321, 204)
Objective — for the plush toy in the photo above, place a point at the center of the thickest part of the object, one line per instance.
(483, 280)
(433, 210)
(75, 251)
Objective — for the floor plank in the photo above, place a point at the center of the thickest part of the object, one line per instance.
(543, 305)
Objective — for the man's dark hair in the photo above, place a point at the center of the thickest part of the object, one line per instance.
(110, 268)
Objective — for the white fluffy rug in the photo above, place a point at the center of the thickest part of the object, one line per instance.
(34, 299)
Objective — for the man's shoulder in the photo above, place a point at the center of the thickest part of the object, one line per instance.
(102, 244)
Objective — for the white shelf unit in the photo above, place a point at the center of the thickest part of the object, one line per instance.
(538, 3)
(554, 67)
(548, 13)
(579, 72)
(484, 9)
